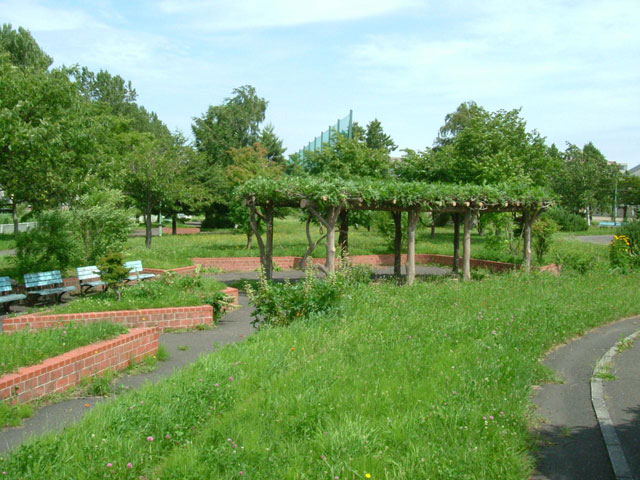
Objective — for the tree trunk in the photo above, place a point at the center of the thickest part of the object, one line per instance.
(433, 227)
(174, 224)
(466, 246)
(397, 244)
(249, 240)
(343, 238)
(253, 220)
(624, 213)
(147, 224)
(414, 216)
(16, 220)
(588, 216)
(456, 242)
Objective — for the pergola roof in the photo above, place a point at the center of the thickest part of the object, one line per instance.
(396, 195)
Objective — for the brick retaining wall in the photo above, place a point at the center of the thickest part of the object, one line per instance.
(163, 318)
(57, 374)
(247, 264)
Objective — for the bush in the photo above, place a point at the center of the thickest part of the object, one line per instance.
(113, 272)
(631, 230)
(543, 230)
(566, 220)
(279, 304)
(102, 223)
(51, 245)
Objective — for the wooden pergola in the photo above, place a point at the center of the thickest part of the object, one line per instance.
(326, 204)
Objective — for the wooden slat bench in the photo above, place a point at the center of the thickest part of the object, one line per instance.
(89, 277)
(135, 268)
(7, 300)
(36, 281)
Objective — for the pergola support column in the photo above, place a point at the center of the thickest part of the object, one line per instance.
(529, 218)
(397, 243)
(456, 242)
(333, 214)
(266, 251)
(466, 246)
(414, 216)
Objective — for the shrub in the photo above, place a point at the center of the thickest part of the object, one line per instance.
(279, 304)
(631, 230)
(576, 262)
(543, 230)
(113, 272)
(566, 220)
(51, 245)
(102, 222)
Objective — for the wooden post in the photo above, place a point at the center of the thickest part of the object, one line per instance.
(268, 260)
(397, 244)
(466, 246)
(414, 216)
(529, 217)
(343, 238)
(456, 242)
(334, 213)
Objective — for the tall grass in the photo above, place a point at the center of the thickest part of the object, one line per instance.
(428, 381)
(25, 347)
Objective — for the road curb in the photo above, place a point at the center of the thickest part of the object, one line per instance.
(614, 448)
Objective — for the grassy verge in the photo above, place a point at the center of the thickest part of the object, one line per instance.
(7, 241)
(24, 348)
(166, 291)
(428, 381)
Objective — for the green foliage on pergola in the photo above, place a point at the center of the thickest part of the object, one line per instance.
(393, 194)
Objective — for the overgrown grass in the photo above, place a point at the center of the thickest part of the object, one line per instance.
(7, 241)
(166, 291)
(25, 347)
(428, 381)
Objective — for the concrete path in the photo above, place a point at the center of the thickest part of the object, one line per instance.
(572, 446)
(597, 239)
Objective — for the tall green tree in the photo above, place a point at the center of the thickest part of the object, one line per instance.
(587, 180)
(232, 125)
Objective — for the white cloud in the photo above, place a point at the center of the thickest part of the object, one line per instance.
(38, 17)
(247, 14)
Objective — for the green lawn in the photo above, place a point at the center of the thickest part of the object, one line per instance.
(24, 348)
(428, 381)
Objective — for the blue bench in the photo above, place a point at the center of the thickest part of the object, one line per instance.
(36, 284)
(610, 224)
(89, 277)
(7, 300)
(135, 269)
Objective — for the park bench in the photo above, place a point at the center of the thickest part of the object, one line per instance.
(36, 284)
(609, 224)
(7, 300)
(89, 277)
(135, 269)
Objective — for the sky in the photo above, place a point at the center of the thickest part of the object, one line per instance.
(573, 67)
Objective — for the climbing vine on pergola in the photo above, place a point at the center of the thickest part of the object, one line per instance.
(325, 199)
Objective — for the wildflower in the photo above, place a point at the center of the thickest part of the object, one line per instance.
(293, 349)
(129, 465)
(231, 379)
(87, 405)
(109, 465)
(323, 457)
(367, 475)
(167, 436)
(240, 472)
(150, 438)
(217, 384)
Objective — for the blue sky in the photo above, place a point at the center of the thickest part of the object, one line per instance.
(573, 66)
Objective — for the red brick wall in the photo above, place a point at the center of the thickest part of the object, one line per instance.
(233, 292)
(59, 373)
(247, 264)
(163, 318)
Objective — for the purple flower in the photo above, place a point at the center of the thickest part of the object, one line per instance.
(167, 436)
(231, 379)
(129, 465)
(109, 465)
(150, 438)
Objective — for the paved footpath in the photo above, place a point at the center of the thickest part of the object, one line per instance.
(572, 446)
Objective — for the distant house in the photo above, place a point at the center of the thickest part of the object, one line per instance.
(634, 171)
